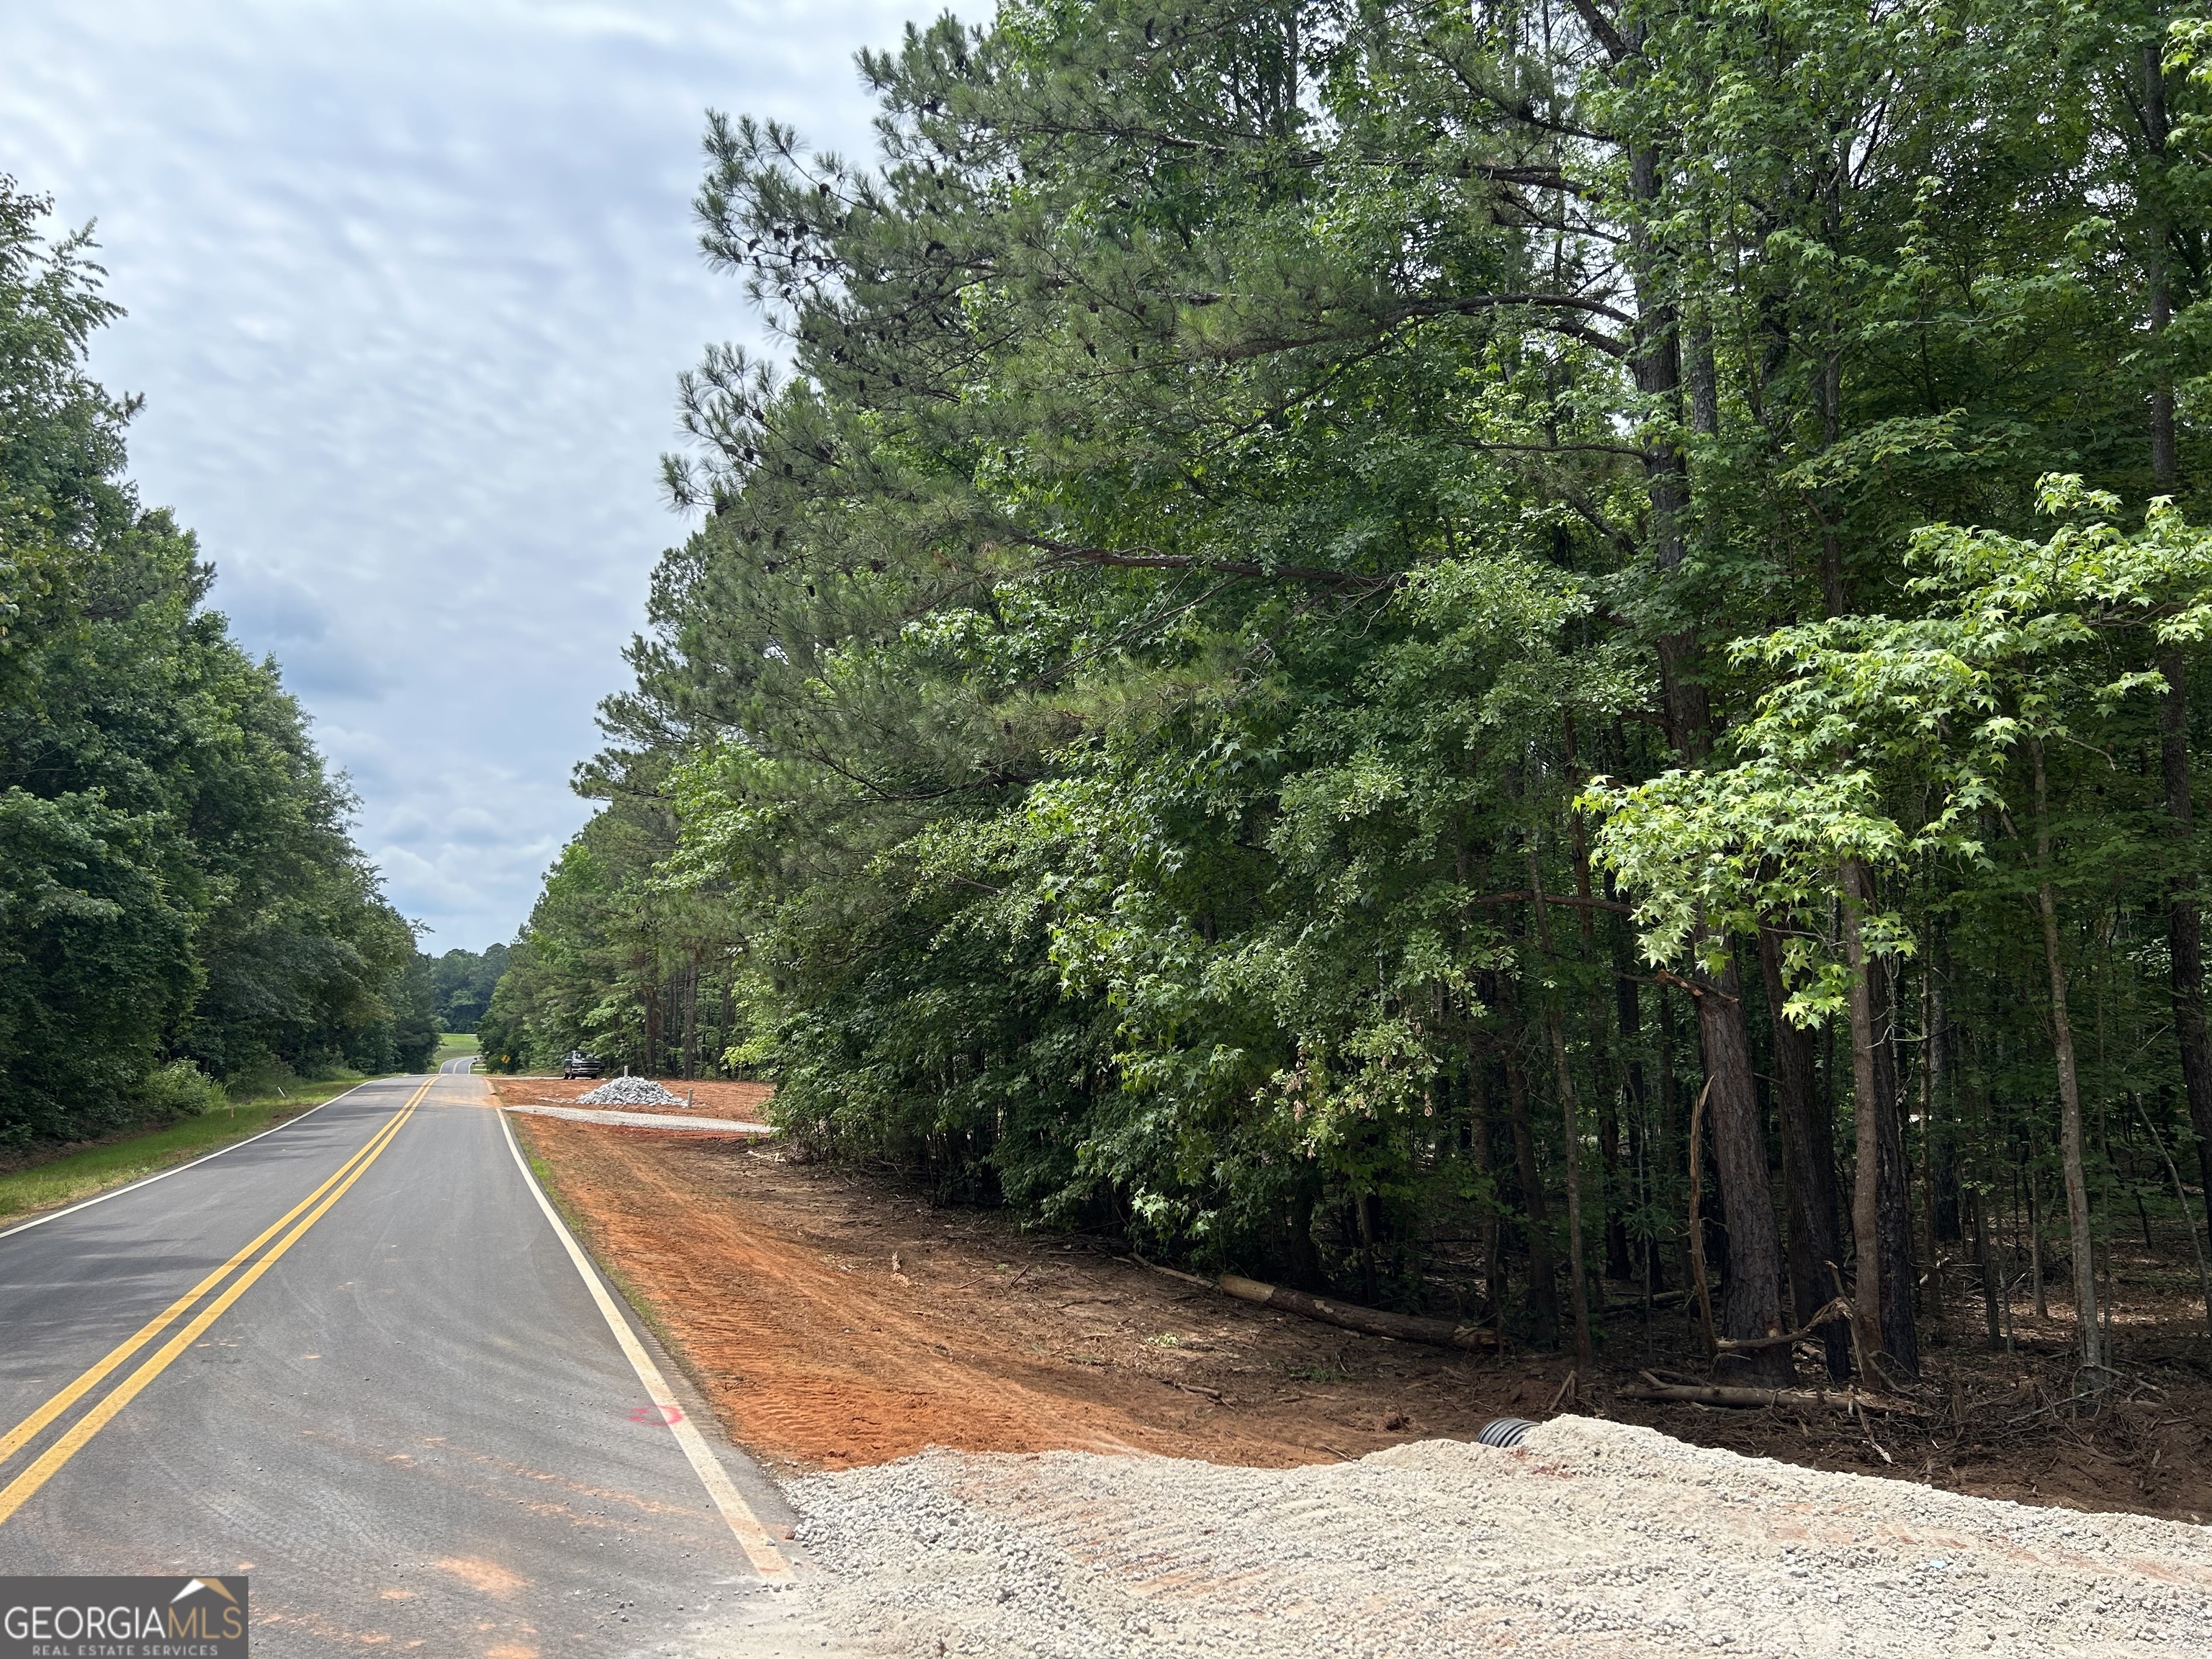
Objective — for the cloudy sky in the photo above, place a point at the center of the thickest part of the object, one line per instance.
(409, 287)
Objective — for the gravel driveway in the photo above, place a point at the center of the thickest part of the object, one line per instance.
(1593, 1539)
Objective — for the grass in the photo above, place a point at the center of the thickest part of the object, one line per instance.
(452, 1045)
(75, 1176)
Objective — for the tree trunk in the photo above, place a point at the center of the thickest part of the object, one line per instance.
(1305, 1255)
(1616, 1187)
(1900, 1335)
(1931, 1059)
(1987, 1254)
(2185, 921)
(1609, 1106)
(2089, 1334)
(2165, 461)
(692, 1015)
(2035, 1244)
(1866, 1214)
(723, 1028)
(1835, 598)
(1808, 1154)
(1753, 1305)
(1479, 1146)
(1571, 1113)
(1543, 1291)
(1670, 1118)
(1629, 1017)
(1942, 1125)
(2183, 918)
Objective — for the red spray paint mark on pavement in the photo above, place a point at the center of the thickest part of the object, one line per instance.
(656, 1414)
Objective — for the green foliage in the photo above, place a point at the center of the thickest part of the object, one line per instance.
(1253, 491)
(180, 1089)
(177, 884)
(416, 1033)
(461, 984)
(622, 957)
(73, 1176)
(1870, 715)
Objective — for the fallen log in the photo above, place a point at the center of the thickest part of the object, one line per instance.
(1346, 1315)
(1710, 1394)
(1351, 1317)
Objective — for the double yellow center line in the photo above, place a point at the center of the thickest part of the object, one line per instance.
(254, 1259)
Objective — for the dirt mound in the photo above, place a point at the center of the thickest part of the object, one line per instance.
(1596, 1538)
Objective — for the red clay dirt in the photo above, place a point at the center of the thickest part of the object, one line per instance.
(834, 1316)
(709, 1098)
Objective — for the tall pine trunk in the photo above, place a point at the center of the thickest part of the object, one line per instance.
(1808, 1155)
(2185, 921)
(1866, 1213)
(1608, 1099)
(1483, 1151)
(2089, 1334)
(2184, 932)
(1901, 1332)
(1629, 1019)
(1543, 1287)
(1571, 1113)
(1753, 1306)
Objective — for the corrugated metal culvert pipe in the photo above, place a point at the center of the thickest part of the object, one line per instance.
(1506, 1433)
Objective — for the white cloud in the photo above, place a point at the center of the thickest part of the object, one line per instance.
(410, 285)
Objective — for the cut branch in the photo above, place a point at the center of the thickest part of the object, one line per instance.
(1838, 1309)
(1713, 1393)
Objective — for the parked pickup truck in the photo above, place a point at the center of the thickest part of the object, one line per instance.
(580, 1064)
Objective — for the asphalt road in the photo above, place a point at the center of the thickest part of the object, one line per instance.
(412, 1423)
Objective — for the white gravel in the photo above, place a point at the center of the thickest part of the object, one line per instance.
(630, 1091)
(719, 1126)
(1593, 1539)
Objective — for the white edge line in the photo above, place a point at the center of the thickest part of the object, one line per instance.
(755, 1539)
(178, 1169)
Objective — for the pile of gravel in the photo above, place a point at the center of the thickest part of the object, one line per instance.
(630, 1091)
(1593, 1537)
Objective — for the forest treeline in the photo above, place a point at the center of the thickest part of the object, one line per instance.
(1340, 629)
(180, 901)
(461, 985)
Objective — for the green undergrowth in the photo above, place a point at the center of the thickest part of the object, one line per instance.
(88, 1171)
(452, 1045)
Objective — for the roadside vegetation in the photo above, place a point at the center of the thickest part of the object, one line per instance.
(181, 905)
(1457, 657)
(71, 1175)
